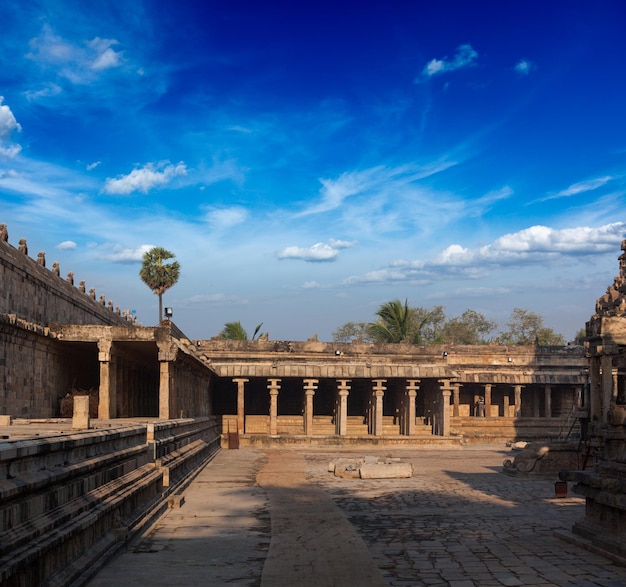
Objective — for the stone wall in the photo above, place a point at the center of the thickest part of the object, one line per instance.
(35, 372)
(35, 293)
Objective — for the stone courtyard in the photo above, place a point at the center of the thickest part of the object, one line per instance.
(279, 517)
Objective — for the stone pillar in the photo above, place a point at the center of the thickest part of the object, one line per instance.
(456, 390)
(444, 415)
(595, 389)
(80, 416)
(107, 391)
(167, 356)
(409, 415)
(273, 386)
(379, 393)
(548, 401)
(488, 387)
(241, 412)
(343, 390)
(310, 385)
(606, 362)
(505, 405)
(536, 403)
(517, 389)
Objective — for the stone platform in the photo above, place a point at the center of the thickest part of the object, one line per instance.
(270, 518)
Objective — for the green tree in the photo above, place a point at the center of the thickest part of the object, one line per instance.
(526, 327)
(470, 327)
(235, 331)
(580, 337)
(158, 275)
(352, 331)
(427, 325)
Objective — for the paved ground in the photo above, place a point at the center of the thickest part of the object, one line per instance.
(458, 522)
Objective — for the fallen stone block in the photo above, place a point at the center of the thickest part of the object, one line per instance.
(386, 471)
(5, 420)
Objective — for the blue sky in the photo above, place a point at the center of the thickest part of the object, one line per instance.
(309, 161)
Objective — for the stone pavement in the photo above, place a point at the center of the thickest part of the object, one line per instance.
(458, 522)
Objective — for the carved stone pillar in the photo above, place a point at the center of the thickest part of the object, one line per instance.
(409, 419)
(167, 356)
(310, 385)
(506, 402)
(341, 421)
(517, 390)
(536, 403)
(548, 401)
(379, 393)
(444, 412)
(273, 386)
(107, 391)
(241, 412)
(488, 387)
(456, 390)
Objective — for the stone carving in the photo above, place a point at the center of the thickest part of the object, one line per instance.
(23, 248)
(312, 339)
(56, 269)
(70, 278)
(526, 460)
(613, 302)
(41, 258)
(110, 305)
(118, 311)
(92, 293)
(103, 300)
(4, 233)
(81, 286)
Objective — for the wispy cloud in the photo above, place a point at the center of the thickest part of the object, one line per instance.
(78, 63)
(578, 188)
(368, 181)
(531, 246)
(67, 246)
(93, 165)
(228, 217)
(317, 253)
(524, 66)
(145, 178)
(465, 56)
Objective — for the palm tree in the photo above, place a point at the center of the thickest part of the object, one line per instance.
(158, 275)
(235, 331)
(393, 324)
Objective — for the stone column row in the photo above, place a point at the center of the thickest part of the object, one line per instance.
(375, 407)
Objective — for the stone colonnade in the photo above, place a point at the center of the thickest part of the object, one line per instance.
(445, 404)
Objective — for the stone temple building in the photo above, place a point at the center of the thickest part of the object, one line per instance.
(162, 405)
(57, 338)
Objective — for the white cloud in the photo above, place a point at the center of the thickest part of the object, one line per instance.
(465, 56)
(67, 245)
(93, 165)
(103, 57)
(532, 246)
(126, 255)
(524, 66)
(145, 178)
(317, 253)
(226, 217)
(8, 124)
(78, 63)
(311, 285)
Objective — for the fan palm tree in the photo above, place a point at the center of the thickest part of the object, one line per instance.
(158, 275)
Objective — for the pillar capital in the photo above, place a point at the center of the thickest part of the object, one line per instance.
(167, 351)
(412, 384)
(310, 384)
(105, 347)
(240, 380)
(273, 384)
